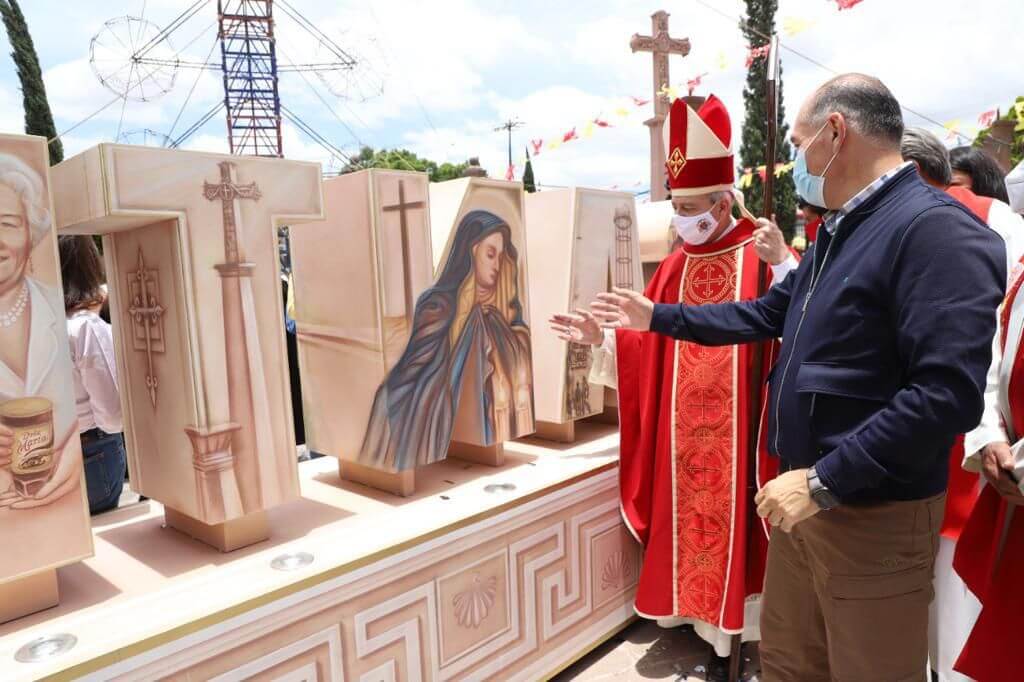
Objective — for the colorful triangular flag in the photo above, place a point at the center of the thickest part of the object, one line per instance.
(987, 118)
(694, 82)
(796, 25)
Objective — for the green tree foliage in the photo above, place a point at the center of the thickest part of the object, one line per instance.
(1017, 145)
(403, 159)
(38, 117)
(760, 22)
(528, 182)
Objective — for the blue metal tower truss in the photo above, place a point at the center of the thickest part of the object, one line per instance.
(249, 64)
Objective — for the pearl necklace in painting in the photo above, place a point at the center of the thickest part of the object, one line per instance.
(8, 318)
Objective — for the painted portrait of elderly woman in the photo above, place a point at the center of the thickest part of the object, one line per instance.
(40, 457)
(466, 372)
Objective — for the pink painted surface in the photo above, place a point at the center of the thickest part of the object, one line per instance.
(581, 242)
(496, 399)
(190, 243)
(45, 525)
(356, 282)
(512, 594)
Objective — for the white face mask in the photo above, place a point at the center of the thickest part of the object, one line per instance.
(695, 229)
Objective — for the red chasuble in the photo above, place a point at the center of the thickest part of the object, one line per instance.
(990, 553)
(963, 485)
(684, 422)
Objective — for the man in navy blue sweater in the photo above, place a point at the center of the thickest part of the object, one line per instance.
(886, 330)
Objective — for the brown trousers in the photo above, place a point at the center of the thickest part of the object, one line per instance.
(847, 592)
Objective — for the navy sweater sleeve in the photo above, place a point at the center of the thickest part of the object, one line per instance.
(723, 324)
(948, 278)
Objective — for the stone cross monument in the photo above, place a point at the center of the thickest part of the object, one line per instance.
(660, 45)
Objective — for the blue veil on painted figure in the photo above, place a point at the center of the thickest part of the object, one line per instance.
(466, 372)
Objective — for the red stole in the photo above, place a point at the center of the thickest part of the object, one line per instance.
(989, 564)
(963, 485)
(684, 446)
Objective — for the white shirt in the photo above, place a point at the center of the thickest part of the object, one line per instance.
(97, 400)
(992, 428)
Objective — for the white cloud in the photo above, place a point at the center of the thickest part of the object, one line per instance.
(453, 71)
(425, 56)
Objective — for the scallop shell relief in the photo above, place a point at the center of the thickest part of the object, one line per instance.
(474, 603)
(618, 570)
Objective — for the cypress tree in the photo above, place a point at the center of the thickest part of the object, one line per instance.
(38, 117)
(760, 22)
(528, 183)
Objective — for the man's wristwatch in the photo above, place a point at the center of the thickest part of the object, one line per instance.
(821, 495)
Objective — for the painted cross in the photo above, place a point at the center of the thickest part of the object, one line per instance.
(401, 207)
(242, 341)
(227, 191)
(623, 247)
(147, 319)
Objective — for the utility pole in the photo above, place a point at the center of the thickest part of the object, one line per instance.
(509, 125)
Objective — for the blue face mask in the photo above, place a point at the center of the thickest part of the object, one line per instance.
(809, 186)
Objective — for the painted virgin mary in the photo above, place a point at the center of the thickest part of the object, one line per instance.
(466, 373)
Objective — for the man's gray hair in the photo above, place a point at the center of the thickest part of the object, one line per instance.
(866, 104)
(20, 177)
(715, 197)
(929, 153)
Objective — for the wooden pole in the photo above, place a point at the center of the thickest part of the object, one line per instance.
(757, 365)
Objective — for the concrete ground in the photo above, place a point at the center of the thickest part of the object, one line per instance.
(643, 651)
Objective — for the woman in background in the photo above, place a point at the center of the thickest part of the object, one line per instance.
(978, 172)
(95, 377)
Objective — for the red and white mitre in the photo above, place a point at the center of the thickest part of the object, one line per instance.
(698, 153)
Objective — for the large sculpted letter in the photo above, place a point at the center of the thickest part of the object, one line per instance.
(192, 263)
(44, 517)
(582, 241)
(425, 359)
(357, 277)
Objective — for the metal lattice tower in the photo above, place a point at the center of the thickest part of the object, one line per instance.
(249, 63)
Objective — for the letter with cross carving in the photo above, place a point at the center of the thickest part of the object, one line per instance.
(44, 517)
(581, 242)
(375, 247)
(192, 260)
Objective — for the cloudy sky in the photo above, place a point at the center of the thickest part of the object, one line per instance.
(437, 77)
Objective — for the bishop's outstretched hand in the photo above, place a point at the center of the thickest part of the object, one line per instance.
(623, 309)
(580, 327)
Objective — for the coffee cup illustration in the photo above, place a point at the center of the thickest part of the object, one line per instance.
(32, 456)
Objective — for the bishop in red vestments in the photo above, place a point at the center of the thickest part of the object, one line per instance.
(990, 552)
(685, 463)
